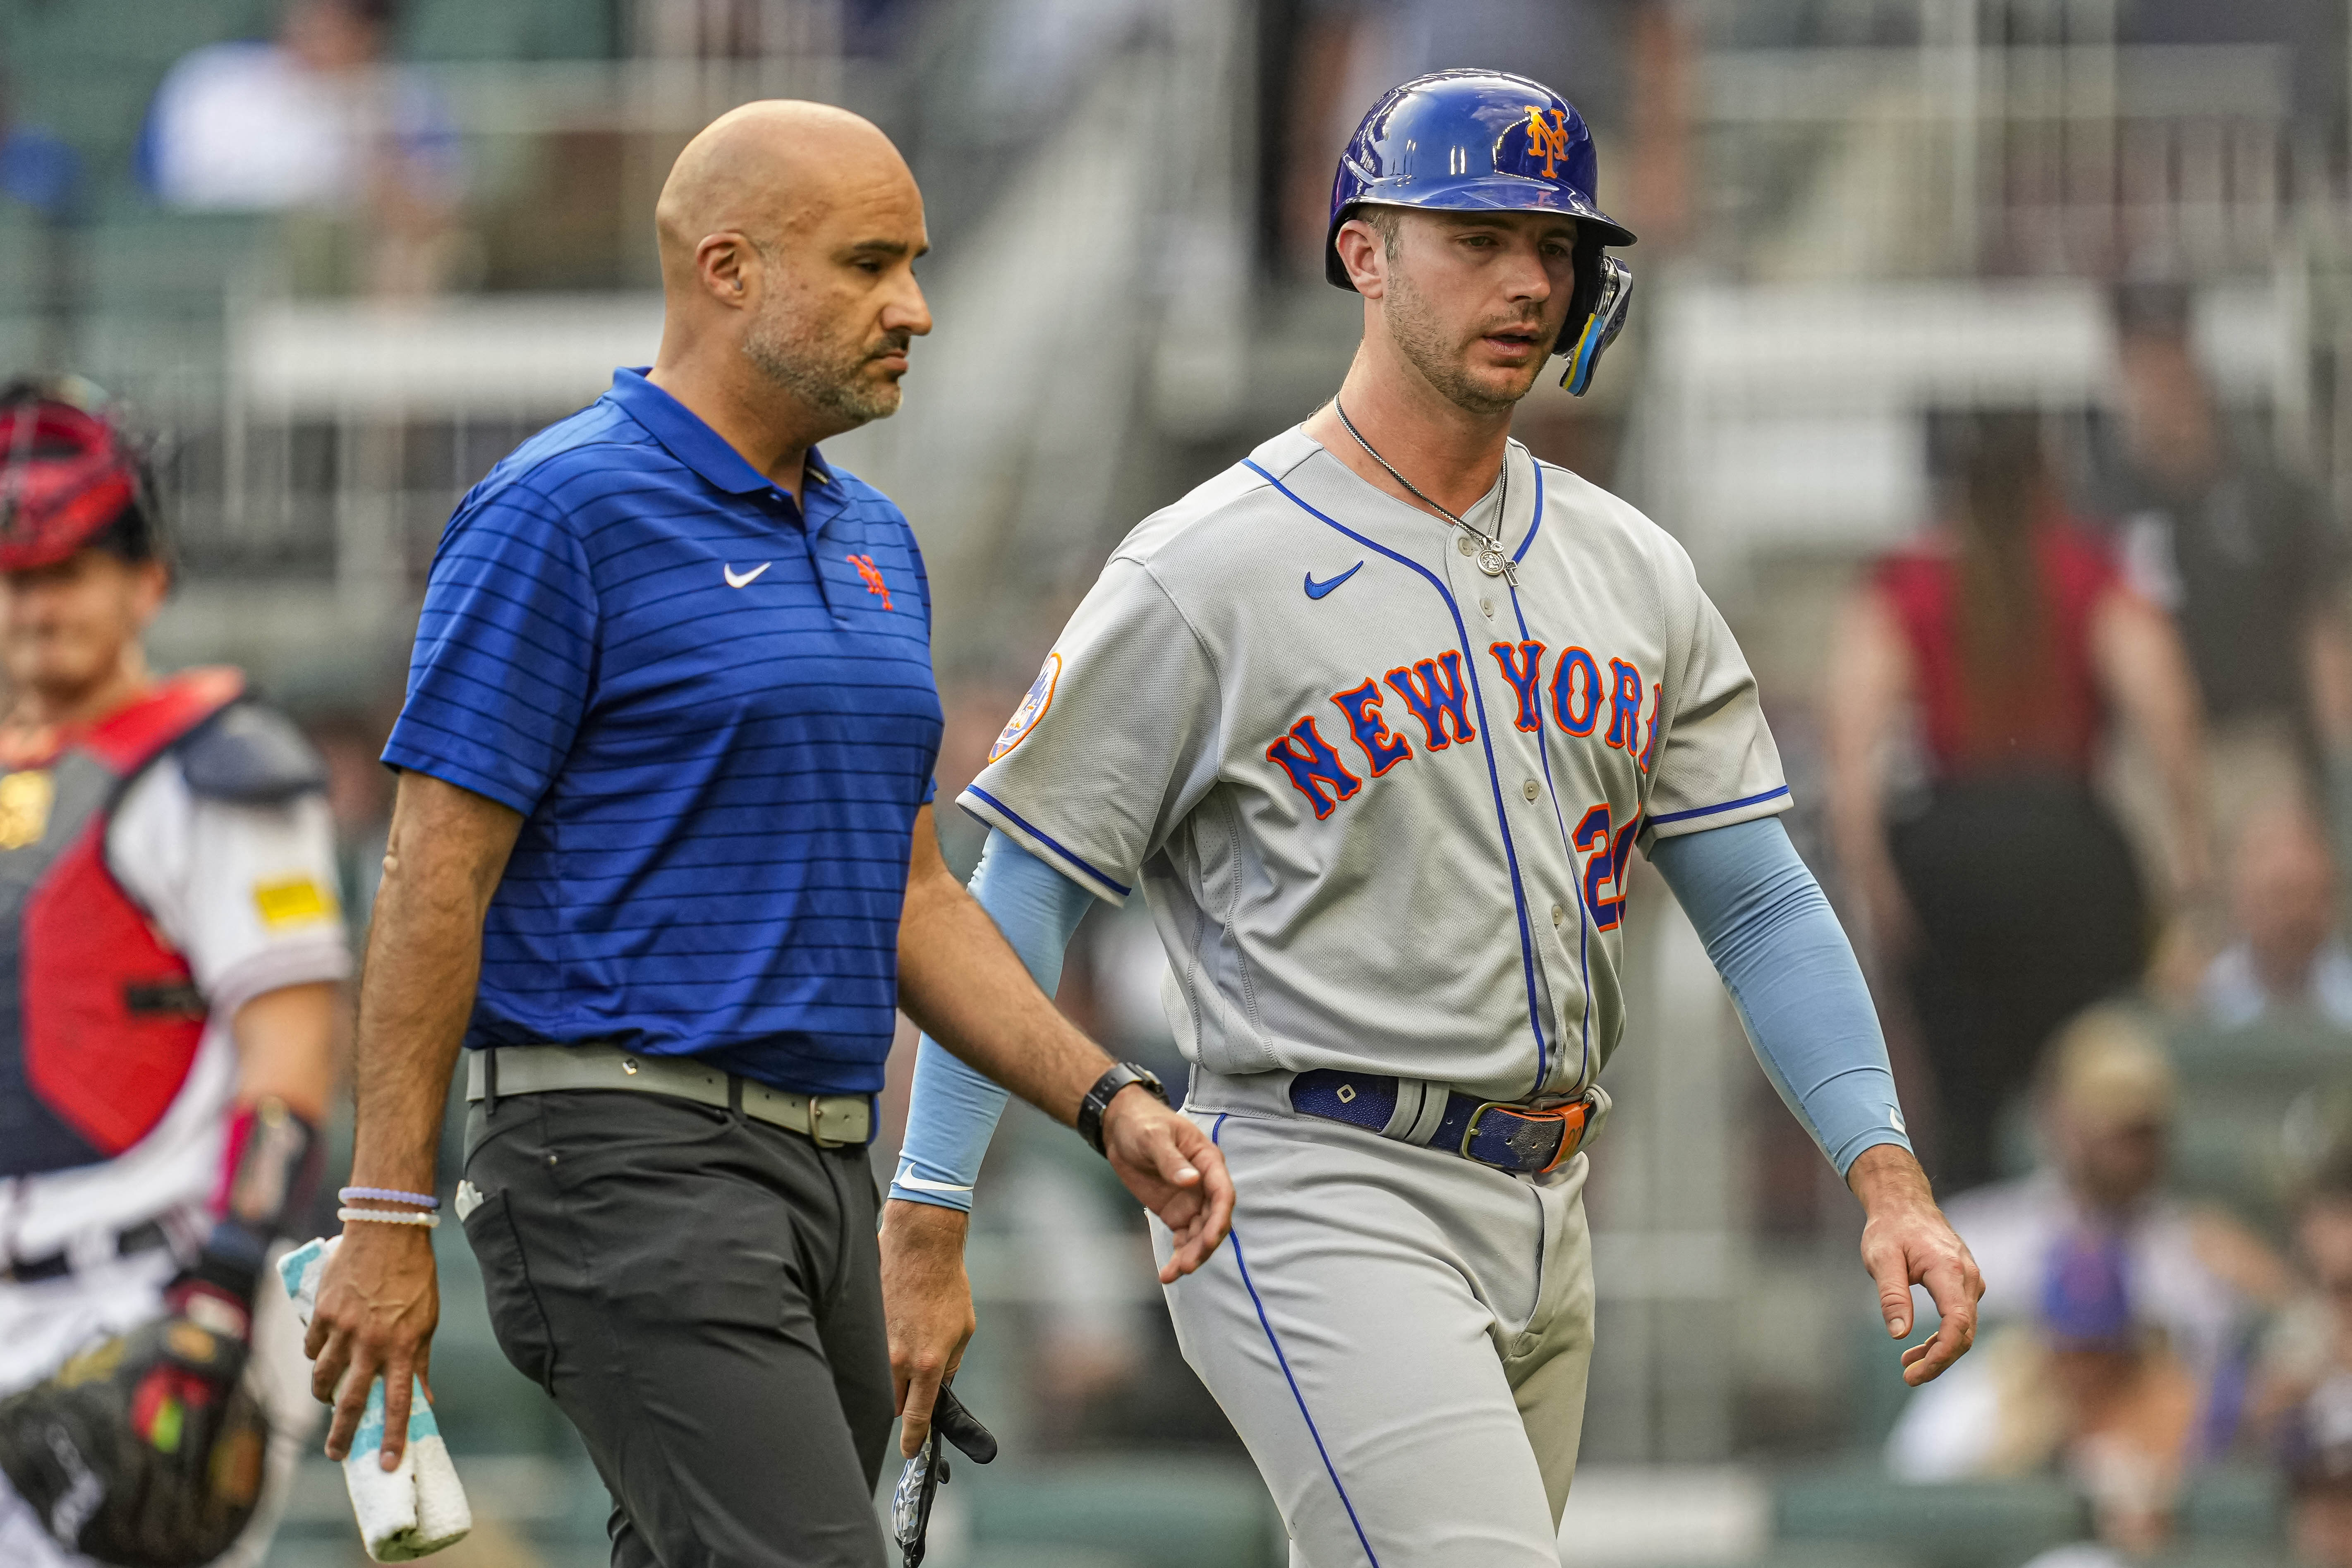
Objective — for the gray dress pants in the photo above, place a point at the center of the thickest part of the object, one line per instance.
(700, 1294)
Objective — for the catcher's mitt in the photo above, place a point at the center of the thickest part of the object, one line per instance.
(145, 1450)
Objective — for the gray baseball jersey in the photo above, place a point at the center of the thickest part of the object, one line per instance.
(1382, 802)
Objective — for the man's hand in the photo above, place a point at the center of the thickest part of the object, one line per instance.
(1175, 1170)
(927, 1302)
(1906, 1240)
(962, 983)
(379, 1302)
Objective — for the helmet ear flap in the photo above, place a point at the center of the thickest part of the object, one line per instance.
(1598, 327)
(1587, 291)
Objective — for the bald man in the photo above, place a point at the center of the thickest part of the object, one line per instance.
(663, 863)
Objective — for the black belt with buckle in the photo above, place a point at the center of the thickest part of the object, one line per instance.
(1525, 1140)
(145, 1237)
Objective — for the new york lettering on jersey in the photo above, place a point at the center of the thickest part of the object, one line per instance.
(1391, 808)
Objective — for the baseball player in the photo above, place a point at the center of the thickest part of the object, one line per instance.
(1374, 721)
(171, 947)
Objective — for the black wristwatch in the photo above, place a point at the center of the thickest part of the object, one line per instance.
(1097, 1100)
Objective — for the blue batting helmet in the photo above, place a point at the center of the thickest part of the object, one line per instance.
(1476, 141)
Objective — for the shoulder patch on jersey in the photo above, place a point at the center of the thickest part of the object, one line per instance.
(251, 755)
(293, 901)
(1033, 707)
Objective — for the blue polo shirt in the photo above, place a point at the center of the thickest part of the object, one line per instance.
(715, 710)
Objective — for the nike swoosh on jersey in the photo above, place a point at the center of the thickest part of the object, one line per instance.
(1317, 590)
(913, 1183)
(735, 582)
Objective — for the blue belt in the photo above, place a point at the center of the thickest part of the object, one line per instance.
(1517, 1138)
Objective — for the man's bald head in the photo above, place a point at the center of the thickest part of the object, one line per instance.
(765, 167)
(789, 233)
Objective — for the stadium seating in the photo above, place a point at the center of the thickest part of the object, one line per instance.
(2227, 1517)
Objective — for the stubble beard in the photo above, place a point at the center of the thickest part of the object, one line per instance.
(1422, 339)
(828, 376)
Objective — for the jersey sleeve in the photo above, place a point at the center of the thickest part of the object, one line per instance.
(1715, 764)
(1114, 743)
(505, 647)
(246, 893)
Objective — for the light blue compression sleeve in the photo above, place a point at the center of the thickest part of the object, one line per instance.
(1766, 923)
(1779, 949)
(955, 1108)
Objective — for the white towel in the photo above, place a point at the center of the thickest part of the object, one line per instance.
(410, 1512)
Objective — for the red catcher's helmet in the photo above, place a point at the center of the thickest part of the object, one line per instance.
(67, 473)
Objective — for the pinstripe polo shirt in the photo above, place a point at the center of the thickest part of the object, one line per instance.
(714, 710)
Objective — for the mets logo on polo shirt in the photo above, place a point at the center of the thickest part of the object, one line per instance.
(1033, 707)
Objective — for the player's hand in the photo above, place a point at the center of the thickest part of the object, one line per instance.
(1907, 1241)
(143, 1449)
(379, 1302)
(1174, 1169)
(926, 1303)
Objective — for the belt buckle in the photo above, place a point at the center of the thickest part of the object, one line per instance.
(1572, 1118)
(816, 1125)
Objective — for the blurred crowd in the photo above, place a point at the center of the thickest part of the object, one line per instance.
(2086, 750)
(316, 122)
(2089, 741)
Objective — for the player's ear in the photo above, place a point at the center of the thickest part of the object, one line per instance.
(151, 583)
(728, 266)
(1364, 253)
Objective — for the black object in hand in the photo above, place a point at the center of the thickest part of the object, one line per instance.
(918, 1483)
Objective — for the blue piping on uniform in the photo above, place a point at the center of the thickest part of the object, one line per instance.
(1543, 754)
(1727, 805)
(1535, 523)
(1485, 744)
(1233, 1235)
(1047, 840)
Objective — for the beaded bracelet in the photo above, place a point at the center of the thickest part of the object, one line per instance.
(387, 1216)
(389, 1195)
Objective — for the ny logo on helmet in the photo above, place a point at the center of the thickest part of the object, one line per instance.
(1547, 141)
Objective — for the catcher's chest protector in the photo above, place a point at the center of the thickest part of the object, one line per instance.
(99, 1017)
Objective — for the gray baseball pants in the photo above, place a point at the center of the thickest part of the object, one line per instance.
(1401, 1337)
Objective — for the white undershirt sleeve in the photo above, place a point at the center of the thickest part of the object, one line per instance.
(246, 893)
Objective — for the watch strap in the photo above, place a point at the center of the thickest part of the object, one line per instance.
(1091, 1109)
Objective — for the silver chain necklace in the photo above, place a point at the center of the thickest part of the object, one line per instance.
(1491, 559)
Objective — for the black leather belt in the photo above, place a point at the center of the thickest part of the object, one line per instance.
(139, 1239)
(1524, 1139)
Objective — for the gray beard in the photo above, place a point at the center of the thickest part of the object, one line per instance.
(1414, 327)
(826, 378)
